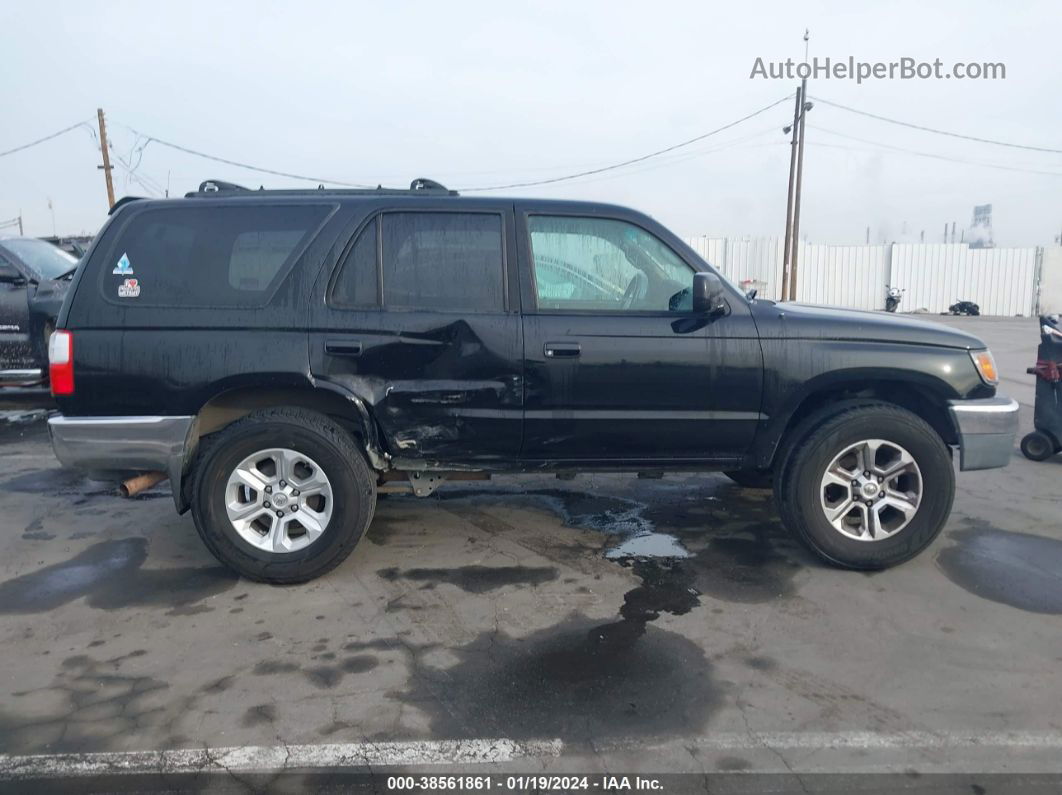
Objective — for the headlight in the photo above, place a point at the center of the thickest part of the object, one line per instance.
(986, 366)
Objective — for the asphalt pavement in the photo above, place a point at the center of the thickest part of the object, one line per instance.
(504, 627)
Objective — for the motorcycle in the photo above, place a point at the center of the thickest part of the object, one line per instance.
(892, 298)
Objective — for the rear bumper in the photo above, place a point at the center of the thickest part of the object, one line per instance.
(21, 376)
(987, 429)
(123, 444)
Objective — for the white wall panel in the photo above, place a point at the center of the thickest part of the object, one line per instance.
(936, 275)
(1002, 281)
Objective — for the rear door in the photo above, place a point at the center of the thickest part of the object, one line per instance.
(617, 367)
(420, 319)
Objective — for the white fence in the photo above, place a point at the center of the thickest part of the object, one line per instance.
(1002, 281)
(1051, 281)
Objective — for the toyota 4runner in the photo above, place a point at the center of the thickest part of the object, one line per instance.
(282, 355)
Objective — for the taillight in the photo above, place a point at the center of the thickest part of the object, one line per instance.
(61, 362)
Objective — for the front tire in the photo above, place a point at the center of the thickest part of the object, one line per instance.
(282, 496)
(868, 487)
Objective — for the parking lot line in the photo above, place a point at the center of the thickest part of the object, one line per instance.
(864, 740)
(268, 758)
(251, 759)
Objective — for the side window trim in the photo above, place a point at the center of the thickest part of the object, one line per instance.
(524, 219)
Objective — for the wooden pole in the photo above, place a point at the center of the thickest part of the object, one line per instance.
(106, 158)
(786, 246)
(796, 195)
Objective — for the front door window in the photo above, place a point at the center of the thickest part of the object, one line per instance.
(599, 264)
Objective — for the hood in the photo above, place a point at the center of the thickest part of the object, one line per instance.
(806, 321)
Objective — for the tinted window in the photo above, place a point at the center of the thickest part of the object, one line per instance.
(208, 256)
(356, 283)
(443, 261)
(606, 265)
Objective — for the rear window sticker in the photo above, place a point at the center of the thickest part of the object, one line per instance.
(124, 267)
(130, 288)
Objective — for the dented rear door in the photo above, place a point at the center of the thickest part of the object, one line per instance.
(420, 319)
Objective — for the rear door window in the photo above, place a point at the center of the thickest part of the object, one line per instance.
(443, 261)
(208, 256)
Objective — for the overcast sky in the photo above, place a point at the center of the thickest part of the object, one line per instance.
(479, 94)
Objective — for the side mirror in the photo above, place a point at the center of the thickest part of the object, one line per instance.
(10, 275)
(708, 294)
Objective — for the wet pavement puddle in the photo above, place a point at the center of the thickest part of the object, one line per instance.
(1016, 569)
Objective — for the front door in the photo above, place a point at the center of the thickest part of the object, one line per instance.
(418, 321)
(616, 364)
(16, 352)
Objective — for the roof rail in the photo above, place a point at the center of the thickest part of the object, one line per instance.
(421, 185)
(219, 186)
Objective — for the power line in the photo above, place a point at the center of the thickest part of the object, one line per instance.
(682, 158)
(45, 138)
(932, 155)
(226, 161)
(938, 132)
(148, 139)
(146, 182)
(633, 160)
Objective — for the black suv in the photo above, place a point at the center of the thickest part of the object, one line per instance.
(281, 355)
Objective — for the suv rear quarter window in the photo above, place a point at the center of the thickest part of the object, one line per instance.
(208, 256)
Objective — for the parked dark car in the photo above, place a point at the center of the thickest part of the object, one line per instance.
(281, 355)
(34, 278)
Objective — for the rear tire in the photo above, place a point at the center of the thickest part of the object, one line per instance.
(1037, 446)
(324, 460)
(865, 443)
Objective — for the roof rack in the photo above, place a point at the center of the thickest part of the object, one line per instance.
(421, 185)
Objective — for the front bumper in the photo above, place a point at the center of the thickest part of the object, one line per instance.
(123, 444)
(986, 431)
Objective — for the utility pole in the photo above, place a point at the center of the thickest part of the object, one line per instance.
(106, 158)
(952, 231)
(946, 233)
(20, 232)
(787, 246)
(796, 198)
(796, 170)
(868, 235)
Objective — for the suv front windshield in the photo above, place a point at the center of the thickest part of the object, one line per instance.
(44, 259)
